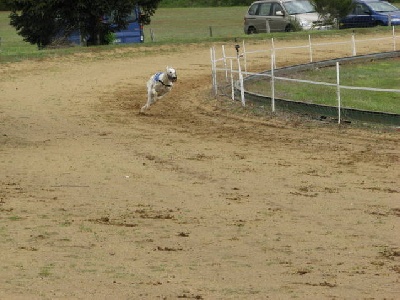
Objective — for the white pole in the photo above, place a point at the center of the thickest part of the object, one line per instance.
(394, 40)
(224, 58)
(309, 42)
(353, 43)
(273, 51)
(241, 84)
(245, 58)
(272, 83)
(232, 83)
(213, 67)
(338, 90)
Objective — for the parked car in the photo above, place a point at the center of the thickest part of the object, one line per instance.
(281, 15)
(133, 33)
(370, 13)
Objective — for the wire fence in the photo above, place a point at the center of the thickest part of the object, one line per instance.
(241, 72)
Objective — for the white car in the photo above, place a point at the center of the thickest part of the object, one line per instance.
(282, 15)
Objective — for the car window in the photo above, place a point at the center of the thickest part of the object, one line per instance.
(265, 9)
(360, 9)
(299, 7)
(253, 9)
(132, 17)
(383, 6)
(276, 7)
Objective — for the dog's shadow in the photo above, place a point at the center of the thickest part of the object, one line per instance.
(143, 114)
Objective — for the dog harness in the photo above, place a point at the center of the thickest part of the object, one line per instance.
(157, 78)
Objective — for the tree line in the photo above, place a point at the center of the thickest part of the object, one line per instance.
(39, 21)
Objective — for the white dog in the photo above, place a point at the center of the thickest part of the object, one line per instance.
(159, 85)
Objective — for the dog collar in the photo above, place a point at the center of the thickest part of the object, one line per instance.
(169, 85)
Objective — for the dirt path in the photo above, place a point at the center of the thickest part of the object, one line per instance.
(187, 201)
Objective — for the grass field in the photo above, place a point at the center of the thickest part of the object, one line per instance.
(383, 74)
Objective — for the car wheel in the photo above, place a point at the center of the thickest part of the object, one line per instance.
(379, 23)
(251, 30)
(289, 28)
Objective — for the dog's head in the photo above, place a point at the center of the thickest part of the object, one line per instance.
(171, 73)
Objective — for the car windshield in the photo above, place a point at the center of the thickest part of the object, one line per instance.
(111, 19)
(299, 7)
(382, 6)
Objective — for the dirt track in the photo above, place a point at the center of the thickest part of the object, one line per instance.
(189, 200)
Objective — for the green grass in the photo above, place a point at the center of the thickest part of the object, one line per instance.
(195, 23)
(384, 74)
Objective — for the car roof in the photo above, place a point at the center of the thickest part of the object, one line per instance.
(368, 1)
(261, 1)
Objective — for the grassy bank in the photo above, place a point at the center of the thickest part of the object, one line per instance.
(382, 74)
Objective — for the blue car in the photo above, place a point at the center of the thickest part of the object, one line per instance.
(370, 13)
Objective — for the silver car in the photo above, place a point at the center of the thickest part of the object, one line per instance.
(281, 15)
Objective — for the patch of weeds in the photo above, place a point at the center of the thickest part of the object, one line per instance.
(159, 268)
(66, 223)
(15, 218)
(84, 228)
(46, 270)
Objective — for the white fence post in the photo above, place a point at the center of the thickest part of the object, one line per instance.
(273, 51)
(272, 83)
(245, 58)
(224, 59)
(338, 90)
(353, 45)
(309, 43)
(394, 39)
(241, 83)
(232, 83)
(214, 71)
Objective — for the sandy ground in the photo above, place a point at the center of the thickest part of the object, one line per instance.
(189, 200)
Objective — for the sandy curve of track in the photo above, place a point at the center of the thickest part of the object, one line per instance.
(189, 200)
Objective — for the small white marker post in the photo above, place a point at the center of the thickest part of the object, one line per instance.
(272, 83)
(338, 90)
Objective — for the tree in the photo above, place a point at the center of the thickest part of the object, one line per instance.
(333, 9)
(39, 21)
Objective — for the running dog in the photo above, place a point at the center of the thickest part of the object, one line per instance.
(158, 86)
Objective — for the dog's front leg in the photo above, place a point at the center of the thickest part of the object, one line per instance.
(150, 99)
